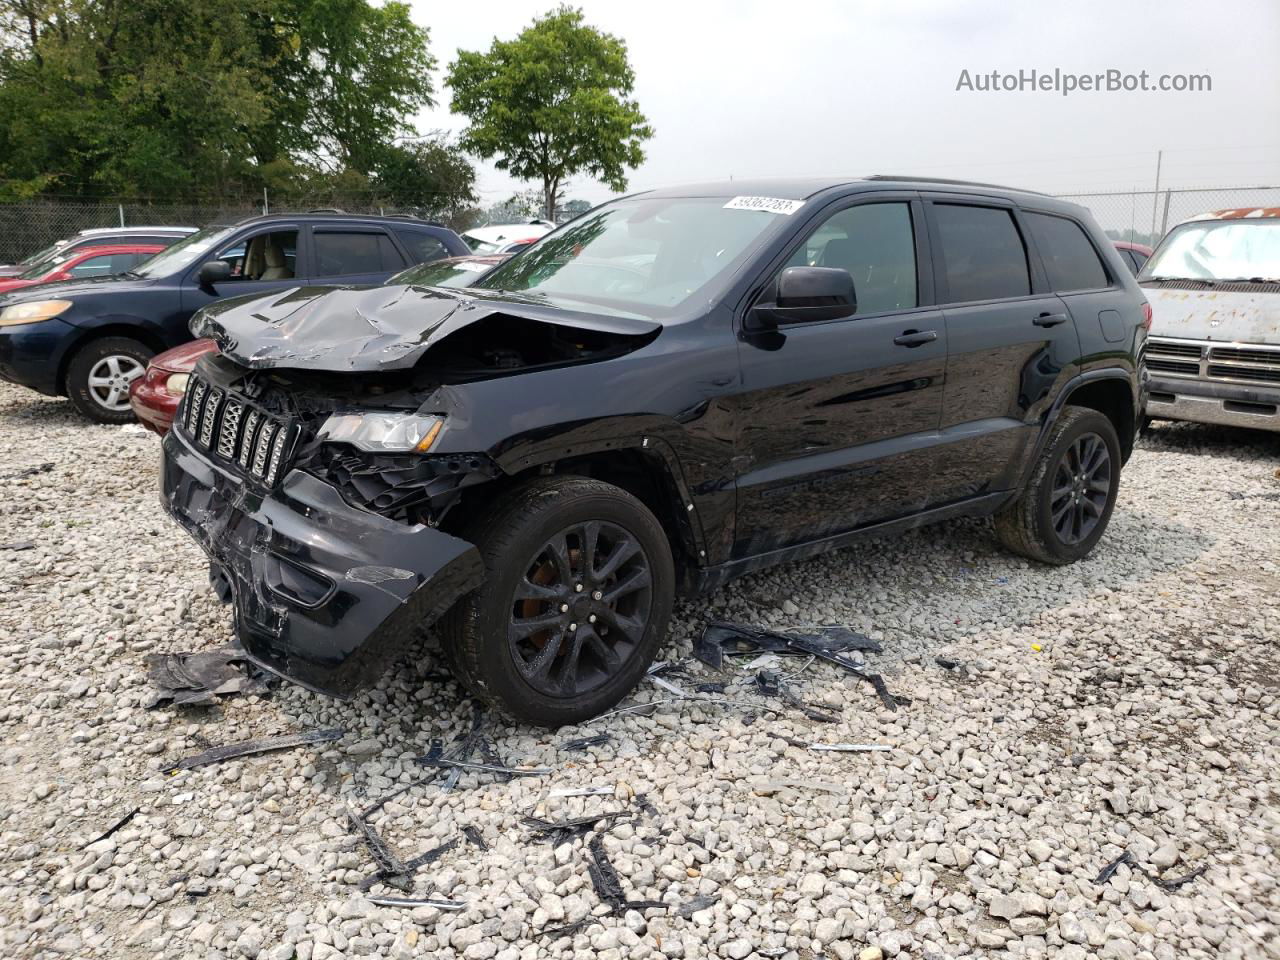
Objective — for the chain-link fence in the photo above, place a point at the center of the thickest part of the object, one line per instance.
(1144, 216)
(32, 225)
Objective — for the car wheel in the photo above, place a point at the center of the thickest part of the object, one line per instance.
(99, 375)
(578, 591)
(1067, 504)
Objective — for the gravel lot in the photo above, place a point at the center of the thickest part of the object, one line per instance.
(1125, 703)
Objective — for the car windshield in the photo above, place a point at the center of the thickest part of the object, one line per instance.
(442, 273)
(647, 254)
(1218, 250)
(182, 254)
(41, 255)
(480, 246)
(42, 267)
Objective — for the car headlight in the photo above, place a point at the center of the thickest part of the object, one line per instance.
(32, 311)
(383, 432)
(177, 382)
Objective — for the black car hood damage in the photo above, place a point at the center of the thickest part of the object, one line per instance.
(354, 329)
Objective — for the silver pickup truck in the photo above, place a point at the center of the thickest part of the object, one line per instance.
(1214, 350)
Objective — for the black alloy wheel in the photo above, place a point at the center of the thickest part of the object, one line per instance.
(1081, 488)
(581, 609)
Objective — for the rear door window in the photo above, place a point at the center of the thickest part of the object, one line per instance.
(1070, 261)
(422, 246)
(346, 253)
(983, 253)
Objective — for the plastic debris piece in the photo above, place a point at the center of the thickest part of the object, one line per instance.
(690, 907)
(18, 545)
(1036, 647)
(264, 745)
(719, 638)
(709, 688)
(607, 883)
(580, 792)
(29, 471)
(561, 831)
(1180, 881)
(946, 663)
(1106, 872)
(391, 868)
(645, 806)
(568, 929)
(473, 834)
(417, 902)
(410, 866)
(582, 743)
(429, 761)
(194, 679)
(114, 827)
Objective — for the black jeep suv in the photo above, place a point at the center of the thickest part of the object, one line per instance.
(676, 388)
(89, 339)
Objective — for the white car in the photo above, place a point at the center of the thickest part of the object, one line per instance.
(1214, 350)
(506, 237)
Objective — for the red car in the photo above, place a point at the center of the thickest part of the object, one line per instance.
(101, 261)
(156, 394)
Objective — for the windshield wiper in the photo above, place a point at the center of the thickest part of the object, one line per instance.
(1250, 280)
(131, 275)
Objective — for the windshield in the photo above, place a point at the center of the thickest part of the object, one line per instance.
(1218, 250)
(480, 246)
(42, 255)
(443, 273)
(183, 253)
(646, 254)
(44, 266)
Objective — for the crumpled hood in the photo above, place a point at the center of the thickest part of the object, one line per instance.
(352, 329)
(1247, 317)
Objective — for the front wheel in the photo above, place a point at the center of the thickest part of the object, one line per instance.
(578, 591)
(99, 376)
(1067, 504)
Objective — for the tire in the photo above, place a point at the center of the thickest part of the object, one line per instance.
(486, 637)
(99, 375)
(1027, 525)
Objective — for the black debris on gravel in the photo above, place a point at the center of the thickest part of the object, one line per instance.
(18, 545)
(29, 472)
(197, 679)
(720, 638)
(391, 869)
(232, 751)
(582, 743)
(567, 929)
(690, 907)
(417, 902)
(114, 827)
(409, 867)
(562, 831)
(607, 883)
(1109, 870)
(472, 833)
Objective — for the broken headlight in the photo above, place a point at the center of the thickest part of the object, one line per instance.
(383, 432)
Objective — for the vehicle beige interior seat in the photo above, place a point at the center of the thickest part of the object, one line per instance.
(277, 266)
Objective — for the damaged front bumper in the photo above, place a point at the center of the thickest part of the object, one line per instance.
(325, 594)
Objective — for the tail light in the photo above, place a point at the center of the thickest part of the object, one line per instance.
(1146, 316)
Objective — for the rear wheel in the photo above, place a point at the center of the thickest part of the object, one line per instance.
(578, 591)
(99, 376)
(1067, 504)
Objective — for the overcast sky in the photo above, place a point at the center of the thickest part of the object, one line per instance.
(747, 88)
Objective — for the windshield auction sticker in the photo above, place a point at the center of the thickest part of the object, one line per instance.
(767, 204)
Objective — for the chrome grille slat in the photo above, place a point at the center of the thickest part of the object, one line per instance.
(234, 431)
(1212, 361)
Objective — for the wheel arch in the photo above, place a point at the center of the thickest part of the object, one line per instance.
(1112, 396)
(134, 331)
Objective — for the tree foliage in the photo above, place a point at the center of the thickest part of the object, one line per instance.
(432, 175)
(165, 98)
(552, 103)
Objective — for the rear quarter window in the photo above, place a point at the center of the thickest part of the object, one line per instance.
(1070, 261)
(422, 246)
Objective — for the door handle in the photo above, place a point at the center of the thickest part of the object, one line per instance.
(1050, 319)
(915, 338)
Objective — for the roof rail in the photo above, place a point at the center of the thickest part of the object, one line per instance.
(953, 183)
(326, 210)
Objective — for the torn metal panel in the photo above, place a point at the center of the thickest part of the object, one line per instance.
(190, 679)
(233, 751)
(344, 330)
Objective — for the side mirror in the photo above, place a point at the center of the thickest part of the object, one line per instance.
(214, 271)
(806, 294)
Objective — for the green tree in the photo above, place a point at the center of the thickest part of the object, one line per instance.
(552, 103)
(431, 174)
(165, 98)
